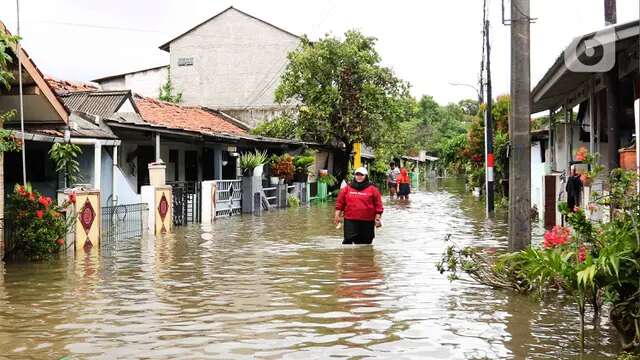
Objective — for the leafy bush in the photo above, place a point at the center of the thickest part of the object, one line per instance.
(301, 164)
(590, 261)
(328, 179)
(282, 167)
(39, 226)
(293, 201)
(65, 155)
(250, 160)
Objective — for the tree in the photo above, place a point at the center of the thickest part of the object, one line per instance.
(166, 92)
(345, 96)
(282, 127)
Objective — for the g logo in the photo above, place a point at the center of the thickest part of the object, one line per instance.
(596, 54)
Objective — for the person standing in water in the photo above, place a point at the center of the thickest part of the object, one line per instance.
(361, 204)
(392, 176)
(404, 185)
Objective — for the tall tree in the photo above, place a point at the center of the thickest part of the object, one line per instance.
(344, 94)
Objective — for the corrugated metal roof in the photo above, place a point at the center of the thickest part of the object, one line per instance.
(101, 103)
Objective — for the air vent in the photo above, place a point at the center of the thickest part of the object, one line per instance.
(188, 61)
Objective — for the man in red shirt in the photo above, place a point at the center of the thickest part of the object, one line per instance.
(361, 204)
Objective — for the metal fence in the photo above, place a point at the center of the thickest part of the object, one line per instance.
(186, 202)
(122, 222)
(228, 197)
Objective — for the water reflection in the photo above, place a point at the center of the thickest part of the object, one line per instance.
(282, 286)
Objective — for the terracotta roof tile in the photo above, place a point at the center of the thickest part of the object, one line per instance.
(192, 118)
(66, 86)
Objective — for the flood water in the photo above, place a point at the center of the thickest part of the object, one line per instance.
(281, 286)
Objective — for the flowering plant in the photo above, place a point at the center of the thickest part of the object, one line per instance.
(591, 260)
(38, 226)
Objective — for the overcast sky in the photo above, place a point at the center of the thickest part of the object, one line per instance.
(428, 43)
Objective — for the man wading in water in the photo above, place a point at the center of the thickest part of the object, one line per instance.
(361, 204)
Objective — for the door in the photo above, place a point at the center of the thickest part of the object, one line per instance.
(208, 164)
(145, 155)
(191, 165)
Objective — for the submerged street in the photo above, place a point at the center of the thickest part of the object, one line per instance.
(282, 286)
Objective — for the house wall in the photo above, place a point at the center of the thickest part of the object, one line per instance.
(106, 172)
(127, 174)
(537, 177)
(146, 83)
(237, 63)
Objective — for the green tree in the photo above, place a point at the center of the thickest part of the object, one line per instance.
(345, 95)
(282, 127)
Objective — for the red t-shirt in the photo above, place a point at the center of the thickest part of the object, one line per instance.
(360, 205)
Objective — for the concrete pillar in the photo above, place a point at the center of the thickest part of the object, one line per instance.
(208, 201)
(97, 164)
(114, 189)
(250, 186)
(217, 164)
(613, 128)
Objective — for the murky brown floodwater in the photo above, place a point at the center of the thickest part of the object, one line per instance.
(282, 286)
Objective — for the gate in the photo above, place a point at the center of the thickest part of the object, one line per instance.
(186, 202)
(228, 197)
(121, 222)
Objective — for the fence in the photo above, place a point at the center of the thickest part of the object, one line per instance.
(122, 222)
(186, 202)
(228, 197)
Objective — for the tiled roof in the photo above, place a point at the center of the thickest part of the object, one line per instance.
(65, 86)
(184, 117)
(101, 103)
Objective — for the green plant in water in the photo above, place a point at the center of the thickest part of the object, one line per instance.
(251, 160)
(65, 156)
(592, 261)
(293, 201)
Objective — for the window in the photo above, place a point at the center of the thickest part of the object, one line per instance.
(188, 61)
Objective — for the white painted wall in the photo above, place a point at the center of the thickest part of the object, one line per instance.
(237, 62)
(537, 177)
(146, 83)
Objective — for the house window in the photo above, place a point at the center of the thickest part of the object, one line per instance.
(188, 61)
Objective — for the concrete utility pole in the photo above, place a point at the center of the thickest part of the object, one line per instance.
(519, 128)
(610, 13)
(488, 131)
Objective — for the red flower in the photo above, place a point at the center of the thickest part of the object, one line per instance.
(559, 235)
(581, 154)
(39, 214)
(60, 242)
(72, 198)
(44, 201)
(582, 253)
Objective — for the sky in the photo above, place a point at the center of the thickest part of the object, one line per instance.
(431, 44)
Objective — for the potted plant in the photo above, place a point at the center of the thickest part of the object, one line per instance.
(301, 164)
(251, 163)
(328, 179)
(282, 167)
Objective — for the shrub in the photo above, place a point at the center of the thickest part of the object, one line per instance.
(39, 226)
(282, 167)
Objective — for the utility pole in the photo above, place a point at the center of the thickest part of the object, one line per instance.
(488, 129)
(519, 128)
(610, 13)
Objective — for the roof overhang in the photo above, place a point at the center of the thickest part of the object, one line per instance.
(41, 105)
(562, 86)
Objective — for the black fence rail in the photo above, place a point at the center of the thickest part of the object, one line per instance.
(121, 222)
(186, 202)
